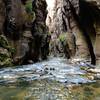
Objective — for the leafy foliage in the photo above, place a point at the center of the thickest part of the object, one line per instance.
(62, 37)
(28, 7)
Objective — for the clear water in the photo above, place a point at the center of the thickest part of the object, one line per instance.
(53, 79)
(47, 90)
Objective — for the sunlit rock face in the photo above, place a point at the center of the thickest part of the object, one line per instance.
(55, 18)
(51, 8)
(59, 19)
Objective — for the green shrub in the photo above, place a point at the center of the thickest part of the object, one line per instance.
(3, 41)
(28, 7)
(62, 37)
(30, 13)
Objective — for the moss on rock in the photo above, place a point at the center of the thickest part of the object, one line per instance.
(30, 16)
(5, 57)
(62, 37)
(3, 41)
(5, 52)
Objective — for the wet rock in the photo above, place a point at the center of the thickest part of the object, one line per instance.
(30, 62)
(94, 70)
(91, 77)
(97, 76)
(46, 69)
(52, 68)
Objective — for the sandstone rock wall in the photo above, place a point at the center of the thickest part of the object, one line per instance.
(2, 15)
(58, 23)
(78, 25)
(22, 24)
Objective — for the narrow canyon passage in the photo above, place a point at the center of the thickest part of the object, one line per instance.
(44, 54)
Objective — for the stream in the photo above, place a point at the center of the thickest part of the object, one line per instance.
(53, 79)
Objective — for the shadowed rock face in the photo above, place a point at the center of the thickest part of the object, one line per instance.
(5, 54)
(2, 15)
(97, 29)
(14, 19)
(17, 19)
(39, 31)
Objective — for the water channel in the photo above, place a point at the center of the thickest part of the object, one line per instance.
(53, 79)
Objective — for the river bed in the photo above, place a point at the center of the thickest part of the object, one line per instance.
(53, 79)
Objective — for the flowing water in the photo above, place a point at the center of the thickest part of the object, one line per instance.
(54, 79)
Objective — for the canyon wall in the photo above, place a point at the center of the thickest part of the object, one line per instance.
(30, 30)
(23, 32)
(73, 23)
